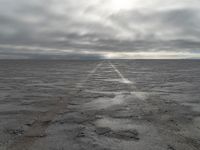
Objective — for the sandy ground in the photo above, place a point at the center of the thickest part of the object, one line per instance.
(100, 105)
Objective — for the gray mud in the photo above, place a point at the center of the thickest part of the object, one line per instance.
(100, 105)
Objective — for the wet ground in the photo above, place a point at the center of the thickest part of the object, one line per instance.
(100, 105)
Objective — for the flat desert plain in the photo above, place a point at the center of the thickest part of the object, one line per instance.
(100, 105)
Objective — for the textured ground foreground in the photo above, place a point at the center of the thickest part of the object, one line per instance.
(100, 105)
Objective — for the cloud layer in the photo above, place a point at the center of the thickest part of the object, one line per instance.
(99, 29)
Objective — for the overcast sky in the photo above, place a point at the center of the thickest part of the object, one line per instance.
(99, 29)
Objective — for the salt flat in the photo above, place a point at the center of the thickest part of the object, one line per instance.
(99, 105)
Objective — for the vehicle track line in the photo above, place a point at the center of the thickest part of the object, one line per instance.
(125, 80)
(80, 85)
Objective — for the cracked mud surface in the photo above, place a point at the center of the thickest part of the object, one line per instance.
(100, 105)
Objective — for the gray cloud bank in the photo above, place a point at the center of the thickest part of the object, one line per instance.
(96, 29)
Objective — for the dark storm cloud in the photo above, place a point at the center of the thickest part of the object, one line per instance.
(93, 28)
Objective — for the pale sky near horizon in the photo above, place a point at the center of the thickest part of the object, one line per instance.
(93, 29)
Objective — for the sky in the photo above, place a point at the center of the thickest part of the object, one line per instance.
(99, 29)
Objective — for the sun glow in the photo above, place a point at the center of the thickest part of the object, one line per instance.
(118, 5)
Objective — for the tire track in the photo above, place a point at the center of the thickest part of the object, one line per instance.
(80, 85)
(126, 81)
